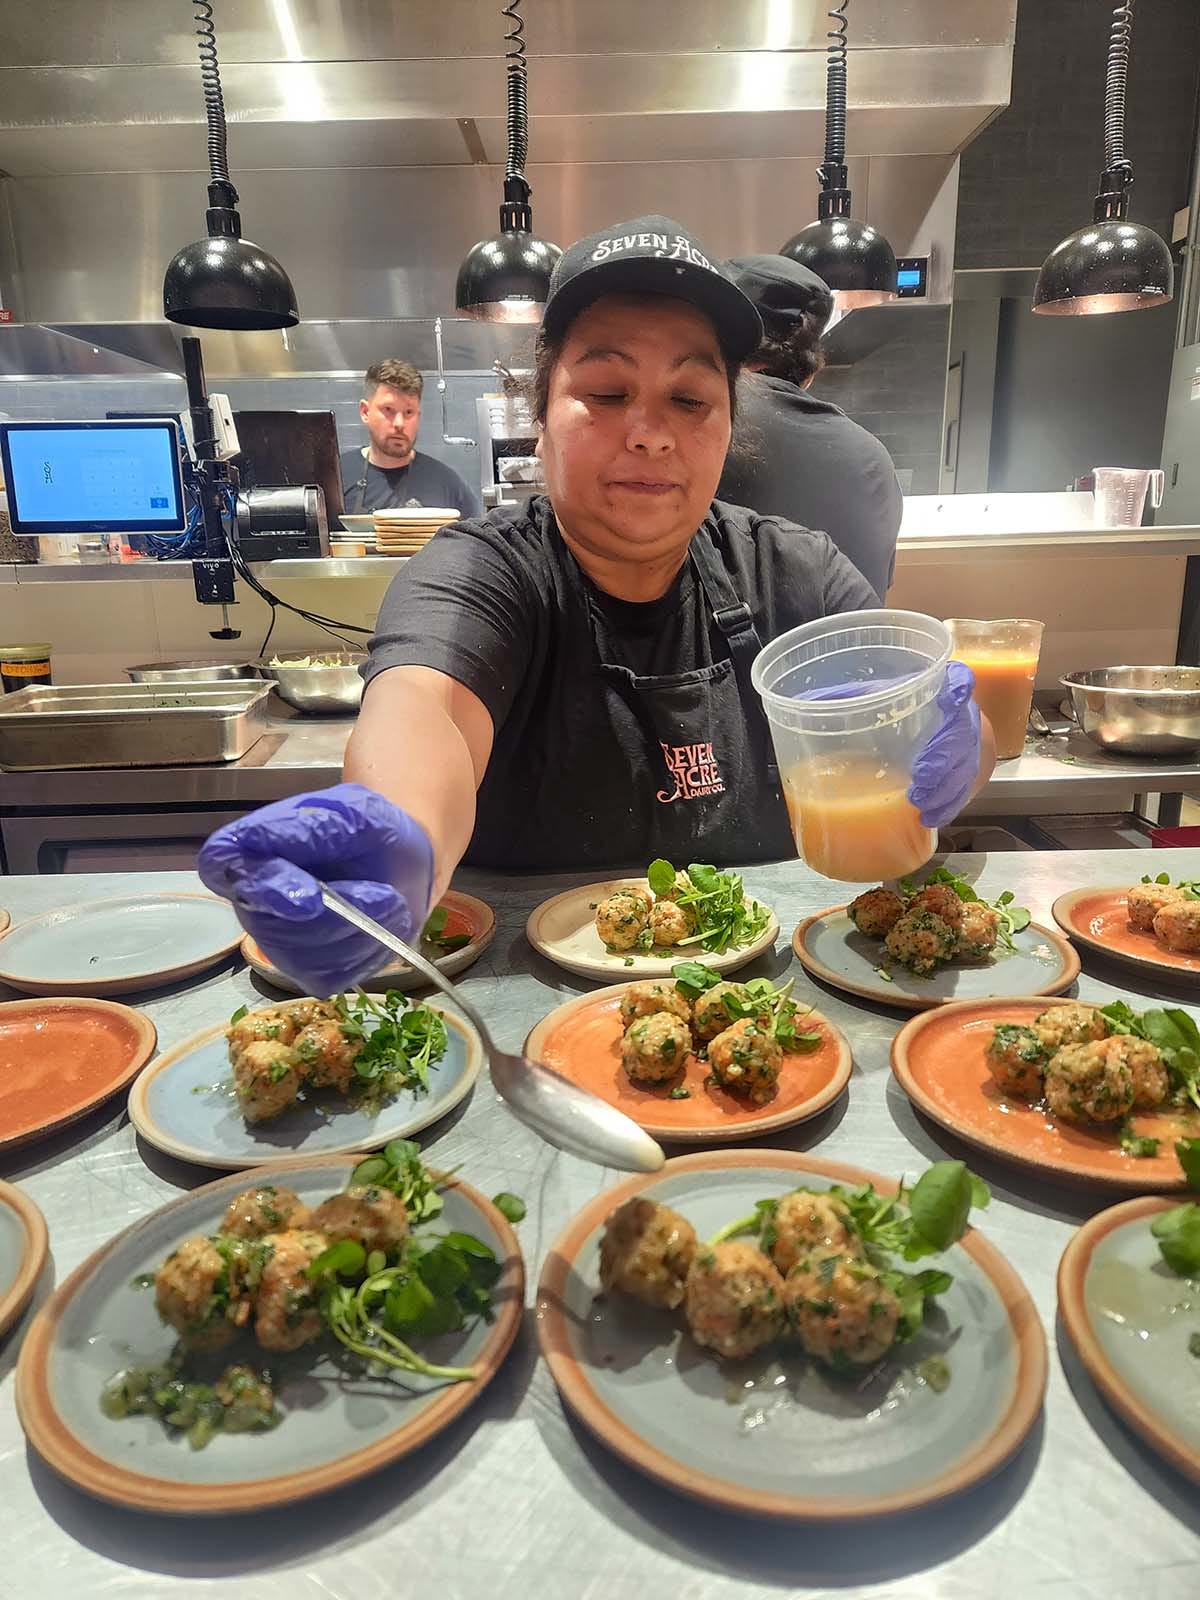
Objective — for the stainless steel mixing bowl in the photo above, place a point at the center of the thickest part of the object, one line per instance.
(191, 671)
(328, 689)
(1145, 711)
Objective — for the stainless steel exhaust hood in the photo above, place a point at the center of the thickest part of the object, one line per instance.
(376, 124)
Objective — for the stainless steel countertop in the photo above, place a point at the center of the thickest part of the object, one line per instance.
(1058, 773)
(515, 1500)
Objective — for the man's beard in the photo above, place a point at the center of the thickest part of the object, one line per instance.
(391, 447)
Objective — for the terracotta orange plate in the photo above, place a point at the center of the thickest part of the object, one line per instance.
(1098, 919)
(830, 1450)
(464, 915)
(23, 1245)
(582, 1040)
(939, 1059)
(61, 1057)
(1125, 1312)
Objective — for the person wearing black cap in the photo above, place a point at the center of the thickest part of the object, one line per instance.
(567, 685)
(800, 457)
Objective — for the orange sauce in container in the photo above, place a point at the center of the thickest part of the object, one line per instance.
(1003, 692)
(854, 822)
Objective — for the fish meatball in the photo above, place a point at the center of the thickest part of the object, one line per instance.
(1017, 1061)
(325, 1057)
(978, 931)
(1070, 1023)
(710, 1013)
(285, 1307)
(1145, 900)
(376, 1217)
(746, 1058)
(733, 1299)
(669, 923)
(194, 1295)
(655, 1047)
(656, 994)
(876, 912)
(919, 941)
(646, 1252)
(843, 1312)
(1090, 1082)
(266, 1080)
(621, 921)
(1178, 926)
(270, 1026)
(307, 1010)
(267, 1209)
(941, 900)
(634, 891)
(1145, 1062)
(806, 1222)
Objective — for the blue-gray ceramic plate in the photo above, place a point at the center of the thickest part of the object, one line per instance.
(23, 1246)
(829, 946)
(117, 946)
(1131, 1319)
(336, 1426)
(777, 1436)
(183, 1103)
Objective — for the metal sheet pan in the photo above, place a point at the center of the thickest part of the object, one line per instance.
(57, 728)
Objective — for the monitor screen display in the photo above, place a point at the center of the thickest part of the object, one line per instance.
(92, 477)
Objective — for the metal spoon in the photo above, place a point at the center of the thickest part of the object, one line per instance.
(564, 1114)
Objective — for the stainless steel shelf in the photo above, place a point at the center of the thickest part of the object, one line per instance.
(146, 571)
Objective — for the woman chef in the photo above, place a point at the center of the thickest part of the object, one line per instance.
(567, 685)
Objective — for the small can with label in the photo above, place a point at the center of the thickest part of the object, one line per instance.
(24, 665)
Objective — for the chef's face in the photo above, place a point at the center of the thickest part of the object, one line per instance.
(637, 426)
(392, 418)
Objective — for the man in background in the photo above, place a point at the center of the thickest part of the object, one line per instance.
(387, 471)
(804, 458)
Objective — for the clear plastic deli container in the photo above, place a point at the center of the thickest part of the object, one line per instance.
(850, 700)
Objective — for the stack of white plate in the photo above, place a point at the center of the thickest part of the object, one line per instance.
(404, 531)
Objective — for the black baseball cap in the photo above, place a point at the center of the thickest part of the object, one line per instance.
(782, 291)
(651, 255)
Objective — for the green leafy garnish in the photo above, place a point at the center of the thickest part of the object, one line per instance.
(510, 1206)
(692, 978)
(763, 999)
(717, 900)
(399, 1167)
(239, 1014)
(679, 1092)
(1188, 1151)
(1138, 1145)
(1194, 1345)
(1178, 1235)
(434, 932)
(401, 1041)
(1188, 887)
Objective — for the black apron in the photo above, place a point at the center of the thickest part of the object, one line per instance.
(630, 767)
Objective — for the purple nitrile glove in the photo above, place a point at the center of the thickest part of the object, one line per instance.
(356, 841)
(945, 769)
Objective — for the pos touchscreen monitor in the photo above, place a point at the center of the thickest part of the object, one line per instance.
(93, 477)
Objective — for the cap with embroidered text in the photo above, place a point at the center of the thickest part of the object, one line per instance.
(782, 291)
(651, 255)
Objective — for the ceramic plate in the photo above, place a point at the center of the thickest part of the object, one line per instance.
(830, 947)
(5, 920)
(1130, 1317)
(402, 514)
(336, 1428)
(564, 929)
(582, 1040)
(939, 1059)
(183, 1103)
(59, 1058)
(466, 914)
(1098, 918)
(362, 524)
(830, 1449)
(23, 1246)
(117, 946)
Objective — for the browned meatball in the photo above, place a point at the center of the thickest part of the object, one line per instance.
(265, 1079)
(1145, 1062)
(1090, 1082)
(655, 994)
(195, 1292)
(747, 1059)
(941, 900)
(920, 941)
(876, 912)
(375, 1217)
(1178, 926)
(267, 1209)
(841, 1309)
(733, 1300)
(325, 1057)
(806, 1222)
(646, 1252)
(978, 931)
(1016, 1060)
(655, 1048)
(1145, 900)
(1069, 1023)
(286, 1312)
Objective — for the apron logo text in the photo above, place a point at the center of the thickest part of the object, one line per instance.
(695, 772)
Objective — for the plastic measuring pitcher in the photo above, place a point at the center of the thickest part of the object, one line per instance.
(1120, 495)
(850, 701)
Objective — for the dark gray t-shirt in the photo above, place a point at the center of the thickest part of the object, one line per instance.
(427, 481)
(501, 605)
(806, 460)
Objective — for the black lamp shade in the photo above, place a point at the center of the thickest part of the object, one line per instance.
(1107, 266)
(855, 260)
(228, 282)
(506, 278)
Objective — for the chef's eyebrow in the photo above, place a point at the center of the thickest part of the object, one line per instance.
(599, 352)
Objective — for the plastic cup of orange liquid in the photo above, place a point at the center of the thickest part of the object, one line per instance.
(850, 701)
(1003, 656)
